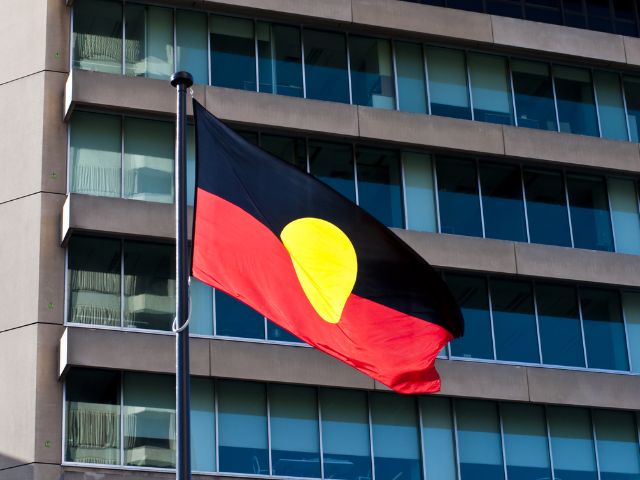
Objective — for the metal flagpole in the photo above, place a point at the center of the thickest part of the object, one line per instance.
(182, 81)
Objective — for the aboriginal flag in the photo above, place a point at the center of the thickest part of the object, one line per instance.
(319, 266)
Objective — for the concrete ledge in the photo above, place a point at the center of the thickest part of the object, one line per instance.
(579, 150)
(430, 130)
(577, 265)
(460, 252)
(558, 40)
(589, 389)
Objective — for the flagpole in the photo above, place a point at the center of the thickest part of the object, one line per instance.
(182, 81)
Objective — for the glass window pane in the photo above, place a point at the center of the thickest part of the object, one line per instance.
(625, 215)
(472, 297)
(479, 440)
(233, 53)
(289, 149)
(438, 438)
(448, 83)
(345, 434)
(235, 319)
(617, 443)
(395, 437)
(576, 107)
(279, 334)
(559, 323)
(546, 207)
(419, 192)
(97, 35)
(379, 190)
(201, 308)
(613, 121)
(191, 165)
(333, 164)
(525, 441)
(203, 451)
(149, 420)
(412, 94)
(191, 44)
(458, 197)
(295, 441)
(603, 329)
(490, 89)
(242, 427)
(96, 154)
(590, 218)
(534, 95)
(632, 94)
(93, 417)
(149, 285)
(148, 160)
(631, 306)
(514, 321)
(371, 72)
(149, 41)
(572, 446)
(94, 281)
(279, 59)
(325, 63)
(502, 202)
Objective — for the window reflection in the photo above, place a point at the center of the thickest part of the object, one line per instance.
(533, 95)
(458, 197)
(371, 72)
(232, 45)
(325, 63)
(502, 202)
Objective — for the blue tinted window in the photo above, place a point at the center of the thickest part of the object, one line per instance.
(458, 197)
(345, 434)
(572, 446)
(448, 83)
(472, 296)
(479, 440)
(289, 149)
(502, 202)
(590, 219)
(603, 329)
(490, 89)
(559, 321)
(514, 321)
(201, 308)
(576, 106)
(624, 214)
(279, 59)
(203, 455)
(333, 164)
(379, 185)
(148, 49)
(412, 93)
(438, 438)
(632, 94)
(325, 63)
(242, 428)
(279, 334)
(525, 441)
(191, 44)
(395, 437)
(233, 53)
(617, 445)
(295, 442)
(534, 95)
(613, 120)
(235, 319)
(371, 72)
(547, 207)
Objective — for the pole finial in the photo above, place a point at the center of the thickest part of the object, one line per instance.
(182, 78)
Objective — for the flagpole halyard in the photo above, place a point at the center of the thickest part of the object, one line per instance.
(182, 81)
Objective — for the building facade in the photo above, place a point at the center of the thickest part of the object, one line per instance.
(499, 138)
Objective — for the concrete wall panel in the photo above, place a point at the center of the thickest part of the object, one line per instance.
(52, 261)
(632, 50)
(33, 471)
(57, 38)
(571, 149)
(422, 19)
(430, 130)
(54, 135)
(18, 378)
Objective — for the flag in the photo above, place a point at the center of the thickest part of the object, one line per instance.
(316, 264)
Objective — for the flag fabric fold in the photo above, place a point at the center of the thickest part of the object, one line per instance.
(314, 263)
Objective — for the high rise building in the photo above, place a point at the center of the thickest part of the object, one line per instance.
(499, 138)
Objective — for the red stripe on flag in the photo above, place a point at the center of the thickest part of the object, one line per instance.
(236, 253)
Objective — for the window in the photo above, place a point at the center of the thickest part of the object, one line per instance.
(233, 53)
(371, 72)
(97, 35)
(617, 444)
(448, 83)
(235, 319)
(279, 59)
(631, 306)
(325, 63)
(572, 443)
(438, 437)
(201, 308)
(613, 121)
(412, 94)
(148, 47)
(533, 95)
(419, 192)
(632, 95)
(576, 107)
(203, 454)
(191, 44)
(624, 214)
(490, 89)
(289, 149)
(458, 197)
(333, 164)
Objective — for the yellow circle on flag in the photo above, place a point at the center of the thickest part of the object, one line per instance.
(325, 262)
